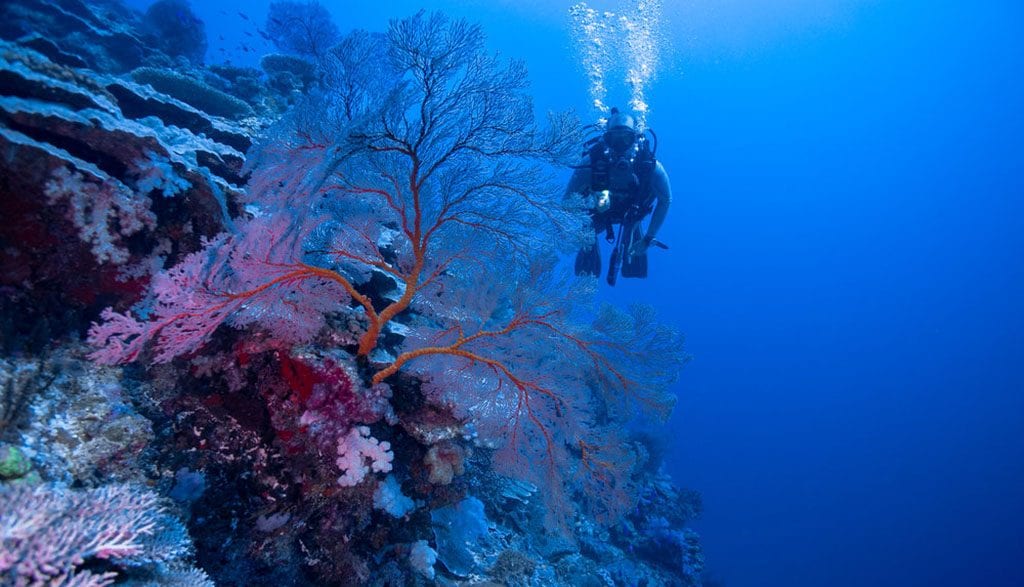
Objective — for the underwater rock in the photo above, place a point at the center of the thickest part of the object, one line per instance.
(113, 123)
(83, 427)
(156, 175)
(193, 92)
(458, 530)
(51, 50)
(288, 73)
(188, 486)
(176, 29)
(244, 83)
(21, 381)
(101, 36)
(69, 118)
(141, 101)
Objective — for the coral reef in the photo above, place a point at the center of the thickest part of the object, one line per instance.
(102, 36)
(193, 92)
(330, 341)
(21, 381)
(244, 83)
(97, 148)
(83, 427)
(288, 74)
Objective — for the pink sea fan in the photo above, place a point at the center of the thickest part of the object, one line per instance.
(251, 278)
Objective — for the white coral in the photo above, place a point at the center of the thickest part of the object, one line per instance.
(422, 558)
(103, 212)
(389, 497)
(155, 173)
(358, 453)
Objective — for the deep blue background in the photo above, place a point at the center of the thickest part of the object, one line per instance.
(848, 263)
(851, 276)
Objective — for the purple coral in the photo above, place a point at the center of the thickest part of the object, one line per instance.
(47, 533)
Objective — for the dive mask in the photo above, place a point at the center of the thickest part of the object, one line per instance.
(619, 139)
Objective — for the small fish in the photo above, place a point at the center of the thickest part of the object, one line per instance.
(247, 33)
(221, 37)
(242, 14)
(276, 21)
(263, 34)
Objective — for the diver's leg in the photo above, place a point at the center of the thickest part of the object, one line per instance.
(588, 260)
(634, 265)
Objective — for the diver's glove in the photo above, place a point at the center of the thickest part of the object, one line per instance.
(641, 246)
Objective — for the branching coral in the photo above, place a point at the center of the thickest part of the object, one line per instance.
(48, 535)
(301, 27)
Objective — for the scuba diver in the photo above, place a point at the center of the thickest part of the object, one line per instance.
(621, 182)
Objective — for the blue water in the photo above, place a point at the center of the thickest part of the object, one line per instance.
(850, 271)
(848, 263)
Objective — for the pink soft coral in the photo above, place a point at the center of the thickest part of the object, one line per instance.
(359, 453)
(245, 279)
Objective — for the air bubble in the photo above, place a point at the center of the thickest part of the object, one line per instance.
(628, 43)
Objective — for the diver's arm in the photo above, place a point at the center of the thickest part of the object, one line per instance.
(662, 190)
(579, 183)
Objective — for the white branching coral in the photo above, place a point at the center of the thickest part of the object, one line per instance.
(155, 173)
(103, 212)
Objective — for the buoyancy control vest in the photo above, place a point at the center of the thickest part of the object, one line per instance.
(622, 182)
